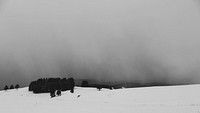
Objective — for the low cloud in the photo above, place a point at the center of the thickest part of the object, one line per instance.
(155, 41)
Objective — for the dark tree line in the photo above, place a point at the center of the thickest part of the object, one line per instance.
(85, 83)
(45, 85)
(11, 87)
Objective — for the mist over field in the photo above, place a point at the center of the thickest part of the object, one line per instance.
(105, 40)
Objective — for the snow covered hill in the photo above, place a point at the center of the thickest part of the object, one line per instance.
(170, 99)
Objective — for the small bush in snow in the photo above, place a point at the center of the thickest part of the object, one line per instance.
(72, 90)
(99, 88)
(6, 87)
(58, 93)
(17, 86)
(52, 93)
(11, 87)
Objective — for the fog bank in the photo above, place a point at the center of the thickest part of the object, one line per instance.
(106, 40)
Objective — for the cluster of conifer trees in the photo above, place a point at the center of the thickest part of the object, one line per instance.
(11, 87)
(52, 85)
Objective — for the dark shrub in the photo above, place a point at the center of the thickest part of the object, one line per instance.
(99, 88)
(17, 86)
(72, 90)
(52, 93)
(11, 87)
(52, 89)
(6, 87)
(71, 85)
(58, 92)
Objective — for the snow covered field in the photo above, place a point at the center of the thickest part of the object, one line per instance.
(170, 99)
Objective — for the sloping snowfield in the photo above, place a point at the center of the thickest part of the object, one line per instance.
(170, 99)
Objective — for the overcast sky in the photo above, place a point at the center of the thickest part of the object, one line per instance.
(139, 40)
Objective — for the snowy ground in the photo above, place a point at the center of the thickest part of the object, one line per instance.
(171, 99)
